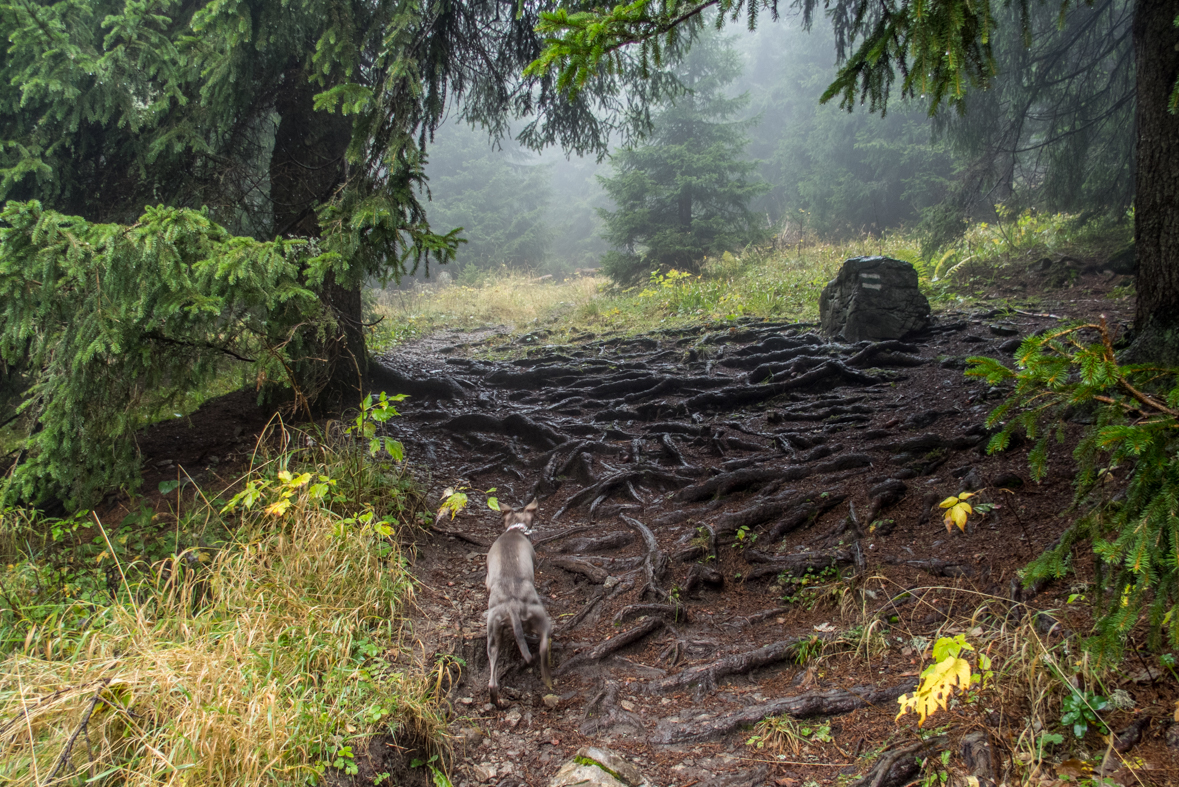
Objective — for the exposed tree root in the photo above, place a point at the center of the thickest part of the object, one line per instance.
(572, 531)
(936, 568)
(614, 644)
(469, 538)
(980, 757)
(655, 562)
(773, 565)
(700, 575)
(672, 613)
(831, 702)
(706, 676)
(581, 566)
(603, 713)
(584, 612)
(604, 543)
(899, 766)
(803, 515)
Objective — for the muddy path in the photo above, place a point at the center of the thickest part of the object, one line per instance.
(717, 506)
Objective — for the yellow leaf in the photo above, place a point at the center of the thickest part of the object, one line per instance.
(284, 476)
(949, 501)
(937, 684)
(965, 495)
(300, 480)
(279, 507)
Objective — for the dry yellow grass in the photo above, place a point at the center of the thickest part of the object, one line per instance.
(511, 299)
(256, 687)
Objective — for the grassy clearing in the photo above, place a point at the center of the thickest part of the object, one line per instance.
(782, 284)
(758, 283)
(259, 659)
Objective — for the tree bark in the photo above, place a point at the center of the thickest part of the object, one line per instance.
(1156, 201)
(306, 168)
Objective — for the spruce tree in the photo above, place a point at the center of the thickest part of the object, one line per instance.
(684, 193)
(273, 136)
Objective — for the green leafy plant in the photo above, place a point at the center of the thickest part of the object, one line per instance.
(1046, 740)
(1080, 710)
(745, 537)
(806, 589)
(454, 499)
(809, 649)
(376, 409)
(1134, 441)
(344, 760)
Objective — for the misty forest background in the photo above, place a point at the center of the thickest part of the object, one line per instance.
(1049, 135)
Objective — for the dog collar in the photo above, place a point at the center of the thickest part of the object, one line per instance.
(519, 526)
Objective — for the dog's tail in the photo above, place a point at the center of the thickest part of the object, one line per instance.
(518, 630)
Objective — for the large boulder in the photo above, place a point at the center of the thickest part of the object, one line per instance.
(873, 298)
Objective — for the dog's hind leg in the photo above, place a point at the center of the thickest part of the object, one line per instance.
(545, 649)
(518, 630)
(493, 635)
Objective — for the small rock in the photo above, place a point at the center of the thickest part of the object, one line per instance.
(1004, 330)
(484, 772)
(466, 700)
(972, 482)
(512, 717)
(1008, 481)
(594, 766)
(610, 582)
(551, 701)
(627, 705)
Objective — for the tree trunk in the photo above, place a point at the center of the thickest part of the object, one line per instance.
(1156, 201)
(306, 168)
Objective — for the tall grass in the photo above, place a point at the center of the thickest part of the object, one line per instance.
(261, 660)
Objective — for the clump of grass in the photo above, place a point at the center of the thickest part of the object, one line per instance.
(260, 660)
(1026, 237)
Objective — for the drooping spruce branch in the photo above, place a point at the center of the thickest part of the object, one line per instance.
(115, 323)
(1127, 487)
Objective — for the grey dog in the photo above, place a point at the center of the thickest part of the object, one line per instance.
(512, 599)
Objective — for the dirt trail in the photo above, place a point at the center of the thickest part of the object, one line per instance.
(689, 481)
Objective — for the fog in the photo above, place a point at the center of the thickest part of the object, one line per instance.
(829, 173)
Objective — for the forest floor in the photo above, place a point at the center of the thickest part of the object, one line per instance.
(714, 550)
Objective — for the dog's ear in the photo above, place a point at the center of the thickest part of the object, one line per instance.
(531, 507)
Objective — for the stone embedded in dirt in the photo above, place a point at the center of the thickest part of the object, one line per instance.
(551, 701)
(594, 766)
(484, 772)
(873, 298)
